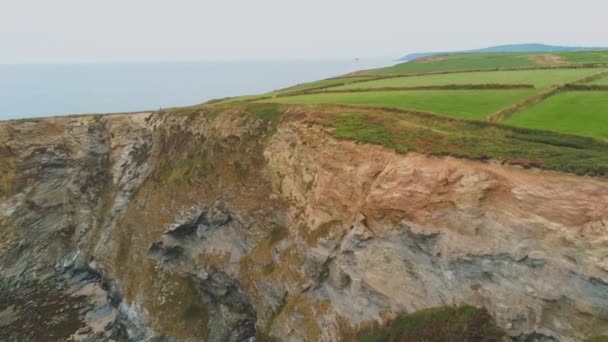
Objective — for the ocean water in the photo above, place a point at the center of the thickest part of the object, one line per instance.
(46, 90)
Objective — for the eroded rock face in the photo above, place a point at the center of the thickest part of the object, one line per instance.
(221, 228)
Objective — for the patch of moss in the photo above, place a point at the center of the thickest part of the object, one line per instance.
(269, 268)
(194, 312)
(269, 112)
(465, 324)
(187, 170)
(602, 338)
(181, 313)
(277, 234)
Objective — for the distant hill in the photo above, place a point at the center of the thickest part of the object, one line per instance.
(507, 48)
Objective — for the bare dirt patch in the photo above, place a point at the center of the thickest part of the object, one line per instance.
(548, 60)
(430, 59)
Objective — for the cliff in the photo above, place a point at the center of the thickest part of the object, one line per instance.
(224, 225)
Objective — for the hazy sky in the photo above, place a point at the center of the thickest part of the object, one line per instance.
(110, 30)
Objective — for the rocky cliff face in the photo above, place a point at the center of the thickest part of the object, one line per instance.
(223, 226)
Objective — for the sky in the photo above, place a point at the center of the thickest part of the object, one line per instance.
(67, 31)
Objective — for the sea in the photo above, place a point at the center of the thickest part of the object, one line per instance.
(41, 90)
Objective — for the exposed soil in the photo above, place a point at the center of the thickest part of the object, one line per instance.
(548, 60)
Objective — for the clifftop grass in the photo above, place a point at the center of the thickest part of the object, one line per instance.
(429, 134)
(410, 131)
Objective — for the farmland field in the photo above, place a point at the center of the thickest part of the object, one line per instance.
(538, 78)
(323, 83)
(457, 62)
(466, 104)
(584, 56)
(601, 81)
(582, 113)
(570, 111)
(488, 61)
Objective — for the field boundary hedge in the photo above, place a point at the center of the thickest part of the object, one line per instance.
(586, 87)
(483, 86)
(509, 111)
(461, 71)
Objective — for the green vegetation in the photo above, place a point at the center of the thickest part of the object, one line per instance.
(488, 61)
(601, 81)
(277, 234)
(465, 324)
(584, 56)
(269, 268)
(539, 78)
(436, 135)
(269, 113)
(194, 312)
(360, 128)
(459, 62)
(323, 83)
(534, 130)
(577, 112)
(467, 104)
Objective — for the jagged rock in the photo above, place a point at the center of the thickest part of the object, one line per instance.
(190, 227)
(164, 253)
(218, 214)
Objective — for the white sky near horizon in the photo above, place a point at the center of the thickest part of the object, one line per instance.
(45, 31)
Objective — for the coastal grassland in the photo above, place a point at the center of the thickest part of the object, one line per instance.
(584, 56)
(323, 84)
(408, 131)
(464, 323)
(414, 131)
(542, 78)
(489, 61)
(576, 112)
(466, 104)
(601, 81)
(458, 62)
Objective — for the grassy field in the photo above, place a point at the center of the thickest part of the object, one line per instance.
(584, 113)
(466, 104)
(486, 61)
(323, 83)
(584, 56)
(457, 62)
(601, 81)
(566, 131)
(405, 131)
(538, 78)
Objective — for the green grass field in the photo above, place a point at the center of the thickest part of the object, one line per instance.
(466, 104)
(457, 62)
(567, 131)
(322, 83)
(583, 113)
(601, 81)
(584, 56)
(486, 61)
(538, 78)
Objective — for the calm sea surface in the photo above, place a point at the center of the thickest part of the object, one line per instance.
(46, 90)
